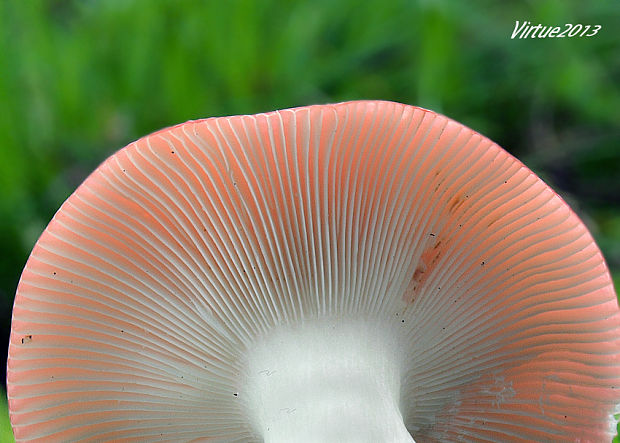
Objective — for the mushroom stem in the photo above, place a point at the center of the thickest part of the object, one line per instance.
(326, 381)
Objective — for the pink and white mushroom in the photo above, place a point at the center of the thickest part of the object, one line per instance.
(359, 272)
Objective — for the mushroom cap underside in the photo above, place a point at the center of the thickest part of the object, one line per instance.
(139, 301)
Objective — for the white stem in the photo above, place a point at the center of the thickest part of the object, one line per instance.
(331, 381)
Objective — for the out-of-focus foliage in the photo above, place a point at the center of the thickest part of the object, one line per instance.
(6, 433)
(80, 79)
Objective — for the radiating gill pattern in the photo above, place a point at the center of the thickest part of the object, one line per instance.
(154, 278)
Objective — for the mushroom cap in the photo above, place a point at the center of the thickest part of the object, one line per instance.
(139, 301)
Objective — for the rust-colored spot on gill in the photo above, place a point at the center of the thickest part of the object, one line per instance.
(428, 261)
(455, 203)
(412, 286)
(493, 220)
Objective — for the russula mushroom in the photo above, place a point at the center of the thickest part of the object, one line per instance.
(365, 271)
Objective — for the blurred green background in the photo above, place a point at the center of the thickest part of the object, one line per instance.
(81, 79)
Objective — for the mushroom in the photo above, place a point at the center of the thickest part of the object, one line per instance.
(365, 271)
